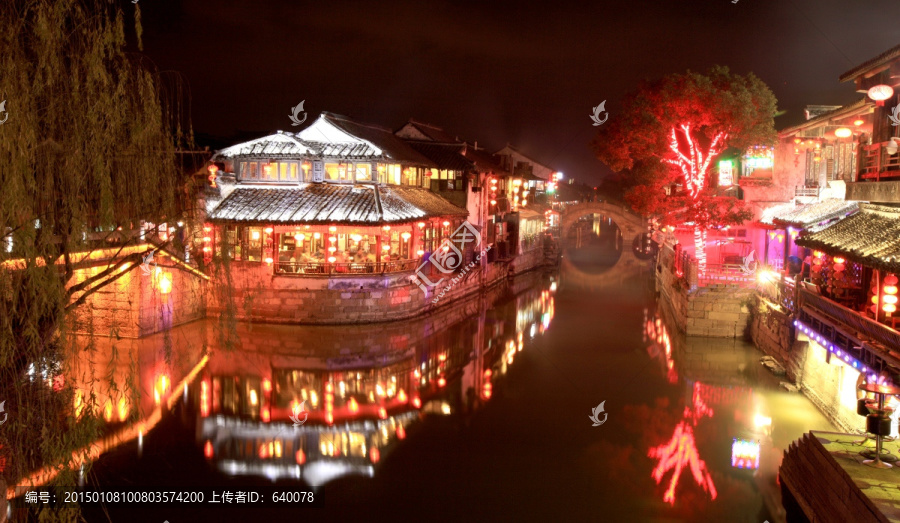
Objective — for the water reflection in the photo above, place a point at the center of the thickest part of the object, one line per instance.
(482, 399)
(319, 415)
(731, 427)
(594, 243)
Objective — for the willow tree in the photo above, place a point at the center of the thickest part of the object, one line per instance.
(87, 153)
(668, 135)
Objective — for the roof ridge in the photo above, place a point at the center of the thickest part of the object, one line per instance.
(870, 63)
(824, 117)
(431, 125)
(357, 122)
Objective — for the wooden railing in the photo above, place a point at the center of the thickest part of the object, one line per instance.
(876, 163)
(872, 343)
(332, 269)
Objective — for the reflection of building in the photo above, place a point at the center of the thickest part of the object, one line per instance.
(317, 418)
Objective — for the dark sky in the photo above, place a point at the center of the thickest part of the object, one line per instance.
(498, 72)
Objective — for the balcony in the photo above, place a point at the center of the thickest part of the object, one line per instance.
(871, 343)
(876, 163)
(337, 268)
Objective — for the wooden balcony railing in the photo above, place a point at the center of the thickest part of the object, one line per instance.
(872, 343)
(337, 269)
(876, 163)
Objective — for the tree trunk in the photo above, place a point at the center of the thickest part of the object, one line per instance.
(700, 249)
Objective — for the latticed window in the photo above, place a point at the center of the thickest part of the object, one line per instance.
(813, 168)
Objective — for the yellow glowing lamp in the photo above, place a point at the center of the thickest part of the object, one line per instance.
(889, 298)
(317, 235)
(843, 132)
(332, 259)
(406, 236)
(385, 247)
(269, 230)
(421, 225)
(165, 283)
(890, 289)
(446, 224)
(332, 229)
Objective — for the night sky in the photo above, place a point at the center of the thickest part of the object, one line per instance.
(496, 72)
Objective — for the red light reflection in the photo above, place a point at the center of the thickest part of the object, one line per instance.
(681, 451)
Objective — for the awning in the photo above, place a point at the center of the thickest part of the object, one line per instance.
(870, 237)
(815, 214)
(333, 203)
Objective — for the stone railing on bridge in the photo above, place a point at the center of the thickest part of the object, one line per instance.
(870, 342)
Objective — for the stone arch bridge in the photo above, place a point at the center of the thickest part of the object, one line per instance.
(631, 226)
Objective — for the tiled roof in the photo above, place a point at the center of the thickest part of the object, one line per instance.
(815, 213)
(349, 150)
(870, 237)
(768, 215)
(523, 155)
(404, 202)
(393, 146)
(435, 134)
(444, 155)
(331, 203)
(864, 67)
(858, 107)
(484, 161)
(273, 145)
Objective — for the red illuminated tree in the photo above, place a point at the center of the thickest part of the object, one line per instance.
(667, 136)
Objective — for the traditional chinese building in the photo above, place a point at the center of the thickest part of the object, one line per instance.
(339, 222)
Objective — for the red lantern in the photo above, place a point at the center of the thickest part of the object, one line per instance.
(889, 297)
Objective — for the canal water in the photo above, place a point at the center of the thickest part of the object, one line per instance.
(482, 411)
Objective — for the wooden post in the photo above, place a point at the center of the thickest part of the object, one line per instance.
(878, 291)
(787, 239)
(378, 252)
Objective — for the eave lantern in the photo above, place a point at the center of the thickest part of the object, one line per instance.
(889, 295)
(843, 132)
(880, 93)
